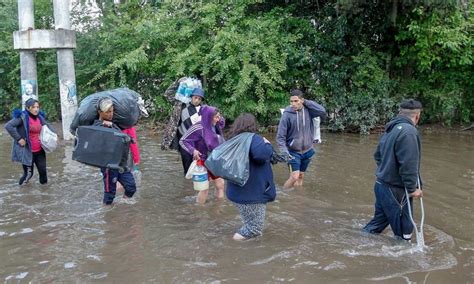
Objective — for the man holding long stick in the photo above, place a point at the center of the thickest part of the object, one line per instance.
(398, 157)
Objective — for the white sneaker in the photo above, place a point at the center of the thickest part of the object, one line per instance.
(239, 237)
(128, 200)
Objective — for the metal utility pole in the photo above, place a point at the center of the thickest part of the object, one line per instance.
(27, 40)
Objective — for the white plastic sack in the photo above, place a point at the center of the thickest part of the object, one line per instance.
(317, 130)
(49, 139)
(186, 88)
(189, 174)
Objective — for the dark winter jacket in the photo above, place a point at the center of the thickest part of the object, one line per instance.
(18, 128)
(398, 155)
(295, 131)
(260, 187)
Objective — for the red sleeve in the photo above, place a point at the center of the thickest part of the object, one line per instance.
(133, 147)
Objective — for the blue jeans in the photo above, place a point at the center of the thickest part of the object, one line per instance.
(390, 210)
(110, 178)
(300, 162)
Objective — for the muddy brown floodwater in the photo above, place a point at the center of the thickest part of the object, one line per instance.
(61, 231)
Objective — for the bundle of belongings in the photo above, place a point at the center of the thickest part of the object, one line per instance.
(230, 160)
(186, 88)
(179, 94)
(128, 108)
(102, 146)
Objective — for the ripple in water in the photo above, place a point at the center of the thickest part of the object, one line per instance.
(20, 275)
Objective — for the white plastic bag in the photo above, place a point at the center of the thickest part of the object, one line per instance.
(49, 139)
(186, 88)
(192, 167)
(317, 130)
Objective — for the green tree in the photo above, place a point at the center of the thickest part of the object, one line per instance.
(358, 58)
(437, 46)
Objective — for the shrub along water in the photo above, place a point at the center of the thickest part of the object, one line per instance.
(358, 58)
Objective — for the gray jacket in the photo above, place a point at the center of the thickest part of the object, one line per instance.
(295, 131)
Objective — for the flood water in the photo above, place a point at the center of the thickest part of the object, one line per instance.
(61, 231)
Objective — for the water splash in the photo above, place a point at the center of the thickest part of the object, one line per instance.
(68, 265)
(18, 276)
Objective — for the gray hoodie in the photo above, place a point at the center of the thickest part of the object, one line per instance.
(295, 131)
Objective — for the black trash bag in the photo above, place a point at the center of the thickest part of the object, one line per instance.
(126, 108)
(230, 160)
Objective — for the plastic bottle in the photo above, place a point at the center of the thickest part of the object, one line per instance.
(181, 88)
(137, 175)
(200, 179)
(181, 92)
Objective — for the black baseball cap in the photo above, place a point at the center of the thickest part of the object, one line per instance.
(410, 104)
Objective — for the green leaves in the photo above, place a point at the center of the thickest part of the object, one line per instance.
(247, 61)
(130, 61)
(357, 59)
(439, 50)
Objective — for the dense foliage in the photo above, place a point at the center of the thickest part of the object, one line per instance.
(358, 58)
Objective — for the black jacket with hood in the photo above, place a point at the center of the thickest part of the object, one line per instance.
(398, 155)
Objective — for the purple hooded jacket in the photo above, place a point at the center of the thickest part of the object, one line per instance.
(201, 135)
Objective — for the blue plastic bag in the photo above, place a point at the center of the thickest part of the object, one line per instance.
(230, 160)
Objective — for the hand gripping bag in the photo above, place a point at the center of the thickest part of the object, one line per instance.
(230, 160)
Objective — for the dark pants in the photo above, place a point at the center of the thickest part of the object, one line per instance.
(186, 159)
(391, 209)
(39, 159)
(110, 178)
